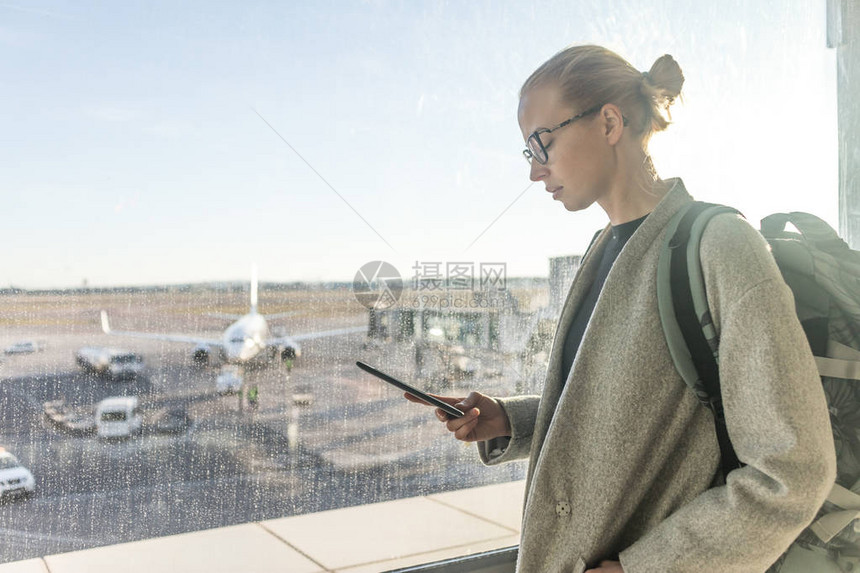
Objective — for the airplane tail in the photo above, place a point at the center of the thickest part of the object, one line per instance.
(254, 289)
(105, 323)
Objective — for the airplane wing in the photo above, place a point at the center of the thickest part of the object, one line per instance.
(311, 335)
(154, 336)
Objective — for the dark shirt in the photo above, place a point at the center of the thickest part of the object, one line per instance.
(619, 236)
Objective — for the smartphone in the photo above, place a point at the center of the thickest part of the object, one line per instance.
(410, 390)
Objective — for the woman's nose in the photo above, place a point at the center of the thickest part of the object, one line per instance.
(537, 171)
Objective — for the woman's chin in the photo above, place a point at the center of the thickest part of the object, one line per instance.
(575, 206)
(571, 201)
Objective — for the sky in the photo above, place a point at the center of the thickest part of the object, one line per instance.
(164, 142)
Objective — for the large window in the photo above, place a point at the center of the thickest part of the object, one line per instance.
(160, 158)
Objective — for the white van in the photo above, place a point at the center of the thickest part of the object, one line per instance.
(118, 417)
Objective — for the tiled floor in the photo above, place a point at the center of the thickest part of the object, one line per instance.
(361, 539)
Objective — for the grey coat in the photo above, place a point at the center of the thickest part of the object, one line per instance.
(622, 457)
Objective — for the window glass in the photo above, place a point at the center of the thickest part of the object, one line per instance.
(359, 162)
(113, 417)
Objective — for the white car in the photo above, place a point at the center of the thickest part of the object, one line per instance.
(15, 479)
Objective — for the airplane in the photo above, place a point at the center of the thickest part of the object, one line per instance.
(243, 341)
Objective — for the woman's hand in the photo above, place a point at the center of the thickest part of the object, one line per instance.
(484, 419)
(607, 567)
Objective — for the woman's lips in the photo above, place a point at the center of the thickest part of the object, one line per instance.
(555, 192)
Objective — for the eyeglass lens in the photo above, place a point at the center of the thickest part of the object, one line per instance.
(536, 149)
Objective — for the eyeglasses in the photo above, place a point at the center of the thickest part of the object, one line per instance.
(535, 149)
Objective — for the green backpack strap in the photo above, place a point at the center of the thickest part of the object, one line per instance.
(687, 324)
(678, 348)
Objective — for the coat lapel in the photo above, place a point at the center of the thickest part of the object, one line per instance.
(631, 254)
(578, 289)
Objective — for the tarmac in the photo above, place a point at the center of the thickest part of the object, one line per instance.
(325, 435)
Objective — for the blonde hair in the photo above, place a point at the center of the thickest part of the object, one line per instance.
(589, 76)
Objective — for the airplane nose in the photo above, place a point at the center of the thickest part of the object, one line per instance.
(248, 350)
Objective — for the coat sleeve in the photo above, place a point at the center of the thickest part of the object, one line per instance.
(776, 416)
(522, 412)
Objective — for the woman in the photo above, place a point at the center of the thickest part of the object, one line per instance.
(624, 470)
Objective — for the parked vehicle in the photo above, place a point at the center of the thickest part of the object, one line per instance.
(173, 421)
(15, 479)
(77, 420)
(118, 417)
(24, 347)
(229, 380)
(113, 363)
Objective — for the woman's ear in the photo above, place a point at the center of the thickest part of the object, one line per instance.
(613, 123)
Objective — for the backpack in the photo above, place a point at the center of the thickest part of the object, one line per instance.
(824, 276)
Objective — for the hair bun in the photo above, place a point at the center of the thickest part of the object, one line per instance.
(666, 77)
(660, 86)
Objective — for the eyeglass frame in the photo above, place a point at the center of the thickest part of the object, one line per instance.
(527, 153)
